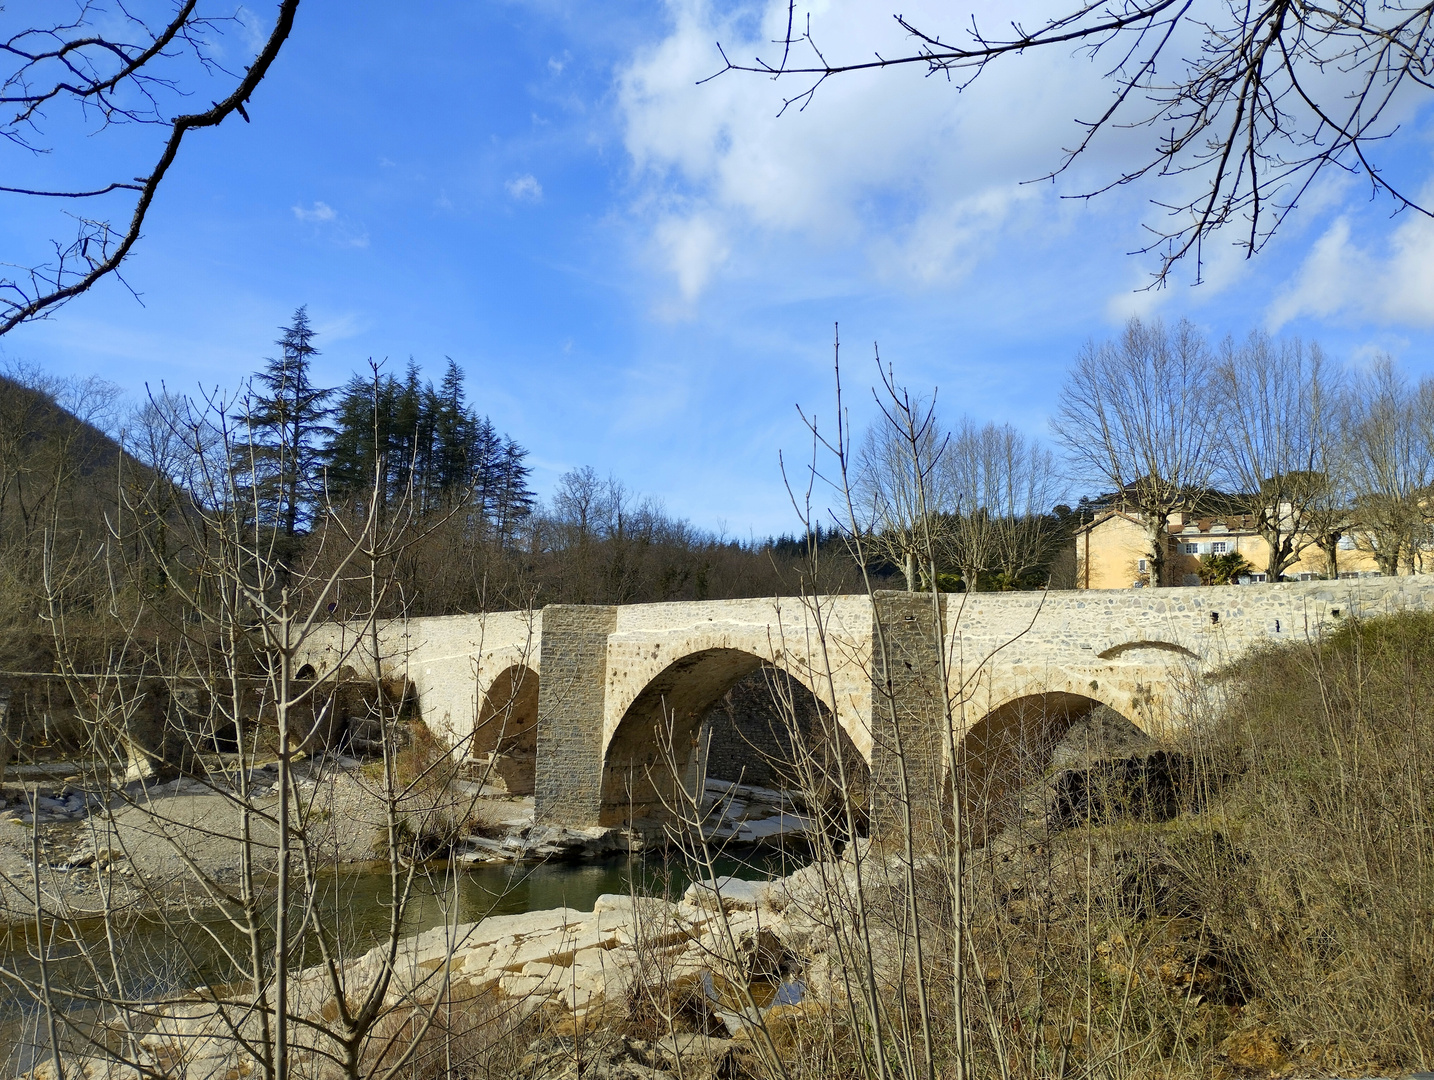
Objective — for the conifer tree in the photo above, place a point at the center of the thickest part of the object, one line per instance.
(431, 438)
(288, 432)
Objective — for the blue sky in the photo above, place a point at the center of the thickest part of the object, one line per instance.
(642, 274)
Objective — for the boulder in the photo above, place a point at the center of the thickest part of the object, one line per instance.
(730, 893)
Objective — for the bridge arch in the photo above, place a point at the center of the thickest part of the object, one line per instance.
(695, 718)
(505, 733)
(1146, 645)
(1011, 747)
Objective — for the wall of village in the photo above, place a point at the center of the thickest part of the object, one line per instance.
(1110, 553)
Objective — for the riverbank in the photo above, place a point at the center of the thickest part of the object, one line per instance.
(730, 960)
(144, 846)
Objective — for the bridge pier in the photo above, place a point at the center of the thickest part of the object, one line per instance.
(571, 697)
(908, 711)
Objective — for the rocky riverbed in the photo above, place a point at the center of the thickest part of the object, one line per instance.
(729, 962)
(148, 843)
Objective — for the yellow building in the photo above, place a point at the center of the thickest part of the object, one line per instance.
(1112, 552)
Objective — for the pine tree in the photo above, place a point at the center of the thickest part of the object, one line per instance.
(365, 431)
(431, 439)
(515, 499)
(288, 433)
(453, 430)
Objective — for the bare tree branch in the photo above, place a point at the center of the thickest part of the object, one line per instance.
(116, 81)
(1275, 94)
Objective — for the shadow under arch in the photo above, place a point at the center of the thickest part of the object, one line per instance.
(1010, 748)
(505, 737)
(733, 718)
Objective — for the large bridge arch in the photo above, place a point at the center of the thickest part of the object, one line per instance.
(657, 747)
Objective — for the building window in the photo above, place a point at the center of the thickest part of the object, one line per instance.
(1218, 547)
(1192, 549)
(1141, 566)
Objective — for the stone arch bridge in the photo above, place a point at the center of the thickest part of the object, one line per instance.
(583, 705)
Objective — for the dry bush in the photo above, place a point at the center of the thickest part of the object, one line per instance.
(1283, 919)
(1321, 892)
(482, 1039)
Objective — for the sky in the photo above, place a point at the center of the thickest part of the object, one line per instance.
(644, 274)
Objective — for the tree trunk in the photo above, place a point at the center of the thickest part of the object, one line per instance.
(1155, 534)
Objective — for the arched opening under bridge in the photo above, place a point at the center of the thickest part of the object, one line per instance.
(1009, 751)
(504, 748)
(726, 735)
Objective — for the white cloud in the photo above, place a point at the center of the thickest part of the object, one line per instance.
(1339, 277)
(254, 28)
(693, 247)
(321, 211)
(525, 188)
(922, 178)
(327, 223)
(902, 178)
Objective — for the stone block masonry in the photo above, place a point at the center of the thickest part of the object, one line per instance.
(908, 703)
(1136, 651)
(570, 713)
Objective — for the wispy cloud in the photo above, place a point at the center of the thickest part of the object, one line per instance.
(327, 222)
(693, 248)
(1384, 283)
(321, 211)
(525, 188)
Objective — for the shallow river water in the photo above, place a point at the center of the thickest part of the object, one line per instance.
(158, 957)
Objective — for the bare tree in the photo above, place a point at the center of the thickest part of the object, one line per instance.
(1281, 403)
(1247, 104)
(1000, 485)
(251, 732)
(969, 491)
(1328, 514)
(1139, 416)
(1390, 465)
(112, 69)
(895, 490)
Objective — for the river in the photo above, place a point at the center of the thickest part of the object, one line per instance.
(159, 957)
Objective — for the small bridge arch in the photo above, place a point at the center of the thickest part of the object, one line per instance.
(505, 734)
(1011, 747)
